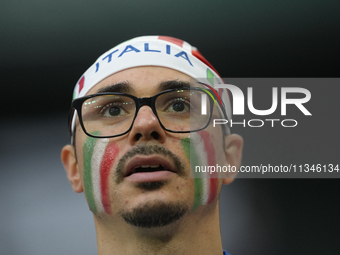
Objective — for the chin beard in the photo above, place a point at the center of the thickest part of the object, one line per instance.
(153, 215)
(151, 185)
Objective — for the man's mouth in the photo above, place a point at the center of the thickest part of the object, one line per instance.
(149, 169)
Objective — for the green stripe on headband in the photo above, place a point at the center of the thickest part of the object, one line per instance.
(210, 76)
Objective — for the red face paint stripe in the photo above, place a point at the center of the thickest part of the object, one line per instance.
(172, 40)
(108, 160)
(209, 147)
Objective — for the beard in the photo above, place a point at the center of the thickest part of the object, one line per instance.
(156, 213)
(153, 215)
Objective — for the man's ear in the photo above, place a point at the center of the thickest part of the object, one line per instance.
(233, 153)
(68, 158)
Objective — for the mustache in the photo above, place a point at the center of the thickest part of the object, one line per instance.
(148, 150)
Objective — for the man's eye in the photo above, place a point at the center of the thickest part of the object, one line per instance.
(113, 110)
(178, 106)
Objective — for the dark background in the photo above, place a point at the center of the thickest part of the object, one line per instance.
(45, 47)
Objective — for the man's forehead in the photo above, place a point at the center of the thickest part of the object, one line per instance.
(133, 80)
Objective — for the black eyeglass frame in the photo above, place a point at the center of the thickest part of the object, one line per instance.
(139, 102)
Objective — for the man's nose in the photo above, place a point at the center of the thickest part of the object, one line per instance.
(146, 127)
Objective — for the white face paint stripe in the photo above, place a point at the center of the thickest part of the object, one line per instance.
(97, 157)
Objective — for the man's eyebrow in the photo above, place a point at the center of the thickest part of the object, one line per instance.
(173, 84)
(121, 87)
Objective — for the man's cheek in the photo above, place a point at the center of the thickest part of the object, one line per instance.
(98, 158)
(201, 153)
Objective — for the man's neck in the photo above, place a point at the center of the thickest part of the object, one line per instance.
(193, 234)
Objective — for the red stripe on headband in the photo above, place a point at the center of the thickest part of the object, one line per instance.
(198, 55)
(179, 42)
(81, 83)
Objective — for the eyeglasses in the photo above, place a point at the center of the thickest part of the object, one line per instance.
(106, 115)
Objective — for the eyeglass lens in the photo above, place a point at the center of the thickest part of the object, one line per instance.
(114, 114)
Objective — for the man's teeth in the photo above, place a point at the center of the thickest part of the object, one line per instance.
(148, 168)
(152, 166)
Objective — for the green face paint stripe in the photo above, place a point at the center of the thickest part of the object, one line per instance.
(87, 157)
(198, 193)
(192, 157)
(185, 142)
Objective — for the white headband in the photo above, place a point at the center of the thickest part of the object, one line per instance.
(162, 51)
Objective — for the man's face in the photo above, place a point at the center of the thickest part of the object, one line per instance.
(145, 172)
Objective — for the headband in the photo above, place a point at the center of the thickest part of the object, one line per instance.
(162, 51)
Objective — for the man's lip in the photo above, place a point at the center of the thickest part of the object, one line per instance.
(153, 160)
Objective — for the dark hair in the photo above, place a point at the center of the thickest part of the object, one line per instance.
(73, 142)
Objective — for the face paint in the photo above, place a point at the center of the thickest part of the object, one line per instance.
(197, 181)
(88, 148)
(108, 160)
(99, 157)
(210, 152)
(200, 152)
(96, 160)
